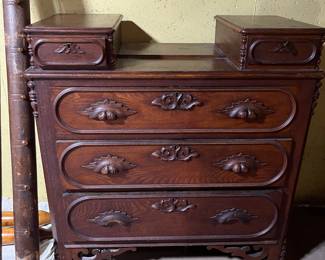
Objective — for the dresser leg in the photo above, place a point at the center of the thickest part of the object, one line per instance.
(98, 254)
(283, 253)
(278, 252)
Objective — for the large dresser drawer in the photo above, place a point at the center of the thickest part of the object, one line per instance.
(163, 164)
(115, 110)
(173, 216)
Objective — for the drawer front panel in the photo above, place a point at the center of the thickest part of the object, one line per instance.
(283, 51)
(148, 164)
(108, 110)
(176, 217)
(70, 51)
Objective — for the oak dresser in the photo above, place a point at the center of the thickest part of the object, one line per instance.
(157, 145)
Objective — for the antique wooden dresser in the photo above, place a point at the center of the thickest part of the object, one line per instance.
(154, 145)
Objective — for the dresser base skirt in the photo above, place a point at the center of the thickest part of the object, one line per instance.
(246, 251)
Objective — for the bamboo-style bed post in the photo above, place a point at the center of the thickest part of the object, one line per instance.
(16, 16)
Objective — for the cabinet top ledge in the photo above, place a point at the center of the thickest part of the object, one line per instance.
(267, 24)
(82, 23)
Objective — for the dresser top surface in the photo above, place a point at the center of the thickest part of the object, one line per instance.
(77, 22)
(265, 23)
(163, 50)
(171, 57)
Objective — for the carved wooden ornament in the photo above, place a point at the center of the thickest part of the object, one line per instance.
(69, 48)
(33, 98)
(113, 217)
(240, 163)
(250, 252)
(247, 109)
(103, 254)
(286, 47)
(176, 101)
(243, 51)
(230, 216)
(175, 153)
(173, 205)
(110, 165)
(108, 110)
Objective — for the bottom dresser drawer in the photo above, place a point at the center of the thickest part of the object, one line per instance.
(173, 216)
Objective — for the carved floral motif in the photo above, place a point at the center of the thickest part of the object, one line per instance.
(286, 47)
(111, 218)
(173, 205)
(108, 110)
(247, 109)
(69, 48)
(175, 153)
(110, 165)
(250, 252)
(176, 101)
(240, 163)
(103, 254)
(230, 216)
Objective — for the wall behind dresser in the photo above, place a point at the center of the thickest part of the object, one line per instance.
(186, 21)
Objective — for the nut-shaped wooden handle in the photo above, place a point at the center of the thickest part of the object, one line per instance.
(238, 167)
(240, 163)
(109, 165)
(111, 218)
(233, 215)
(108, 110)
(247, 109)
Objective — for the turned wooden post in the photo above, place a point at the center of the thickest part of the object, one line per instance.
(16, 16)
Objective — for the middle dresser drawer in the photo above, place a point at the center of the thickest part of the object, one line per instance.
(173, 164)
(83, 110)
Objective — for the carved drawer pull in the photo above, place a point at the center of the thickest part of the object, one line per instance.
(240, 163)
(176, 101)
(110, 165)
(69, 48)
(175, 153)
(113, 217)
(108, 110)
(286, 47)
(247, 109)
(230, 216)
(173, 205)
